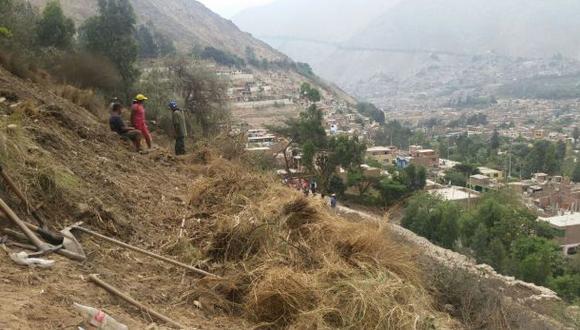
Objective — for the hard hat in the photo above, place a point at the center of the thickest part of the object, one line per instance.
(172, 105)
(141, 97)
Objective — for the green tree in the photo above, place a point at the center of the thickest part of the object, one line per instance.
(502, 226)
(322, 158)
(19, 20)
(310, 93)
(222, 57)
(391, 191)
(567, 286)
(497, 256)
(543, 158)
(494, 143)
(307, 128)
(348, 152)
(336, 186)
(55, 29)
(576, 173)
(536, 259)
(204, 95)
(146, 43)
(576, 134)
(455, 178)
(112, 34)
(393, 133)
(4, 32)
(371, 111)
(357, 178)
(433, 218)
(165, 45)
(415, 177)
(561, 150)
(251, 57)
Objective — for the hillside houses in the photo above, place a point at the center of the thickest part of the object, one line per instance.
(569, 224)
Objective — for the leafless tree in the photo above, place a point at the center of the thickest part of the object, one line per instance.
(205, 96)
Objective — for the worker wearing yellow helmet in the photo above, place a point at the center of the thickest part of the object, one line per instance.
(138, 118)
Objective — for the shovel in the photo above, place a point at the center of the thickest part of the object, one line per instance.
(70, 247)
(64, 238)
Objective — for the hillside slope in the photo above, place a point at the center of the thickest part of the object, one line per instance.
(285, 261)
(187, 22)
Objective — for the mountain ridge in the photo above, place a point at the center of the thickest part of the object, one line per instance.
(398, 39)
(188, 23)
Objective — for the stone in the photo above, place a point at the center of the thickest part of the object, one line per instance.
(12, 128)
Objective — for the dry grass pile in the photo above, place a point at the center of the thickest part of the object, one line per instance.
(17, 65)
(85, 98)
(290, 263)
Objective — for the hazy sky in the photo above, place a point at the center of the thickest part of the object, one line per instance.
(228, 8)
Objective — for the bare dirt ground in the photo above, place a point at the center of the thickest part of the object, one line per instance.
(62, 156)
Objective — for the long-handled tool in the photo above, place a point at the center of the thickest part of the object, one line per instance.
(4, 240)
(14, 188)
(64, 238)
(47, 235)
(134, 302)
(145, 252)
(67, 240)
(42, 246)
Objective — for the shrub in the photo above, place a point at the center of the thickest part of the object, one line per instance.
(222, 57)
(87, 99)
(86, 71)
(17, 64)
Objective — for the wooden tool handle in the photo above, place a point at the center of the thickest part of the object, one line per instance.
(133, 302)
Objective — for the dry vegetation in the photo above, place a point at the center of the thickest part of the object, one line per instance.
(85, 98)
(286, 262)
(71, 77)
(289, 262)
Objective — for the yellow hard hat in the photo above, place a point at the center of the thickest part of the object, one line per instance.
(141, 97)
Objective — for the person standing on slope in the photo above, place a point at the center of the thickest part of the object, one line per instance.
(179, 128)
(138, 118)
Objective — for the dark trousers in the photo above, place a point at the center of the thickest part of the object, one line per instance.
(180, 145)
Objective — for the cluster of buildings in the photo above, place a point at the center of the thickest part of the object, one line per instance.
(554, 198)
(569, 225)
(247, 89)
(416, 155)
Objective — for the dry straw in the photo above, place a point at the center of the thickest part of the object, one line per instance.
(293, 264)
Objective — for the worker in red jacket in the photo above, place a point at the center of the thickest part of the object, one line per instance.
(138, 118)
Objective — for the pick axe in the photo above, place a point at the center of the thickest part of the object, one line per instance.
(70, 247)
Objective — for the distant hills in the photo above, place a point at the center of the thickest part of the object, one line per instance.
(319, 20)
(187, 22)
(350, 42)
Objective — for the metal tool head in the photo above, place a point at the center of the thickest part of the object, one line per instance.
(70, 242)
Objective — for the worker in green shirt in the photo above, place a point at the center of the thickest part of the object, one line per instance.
(179, 128)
